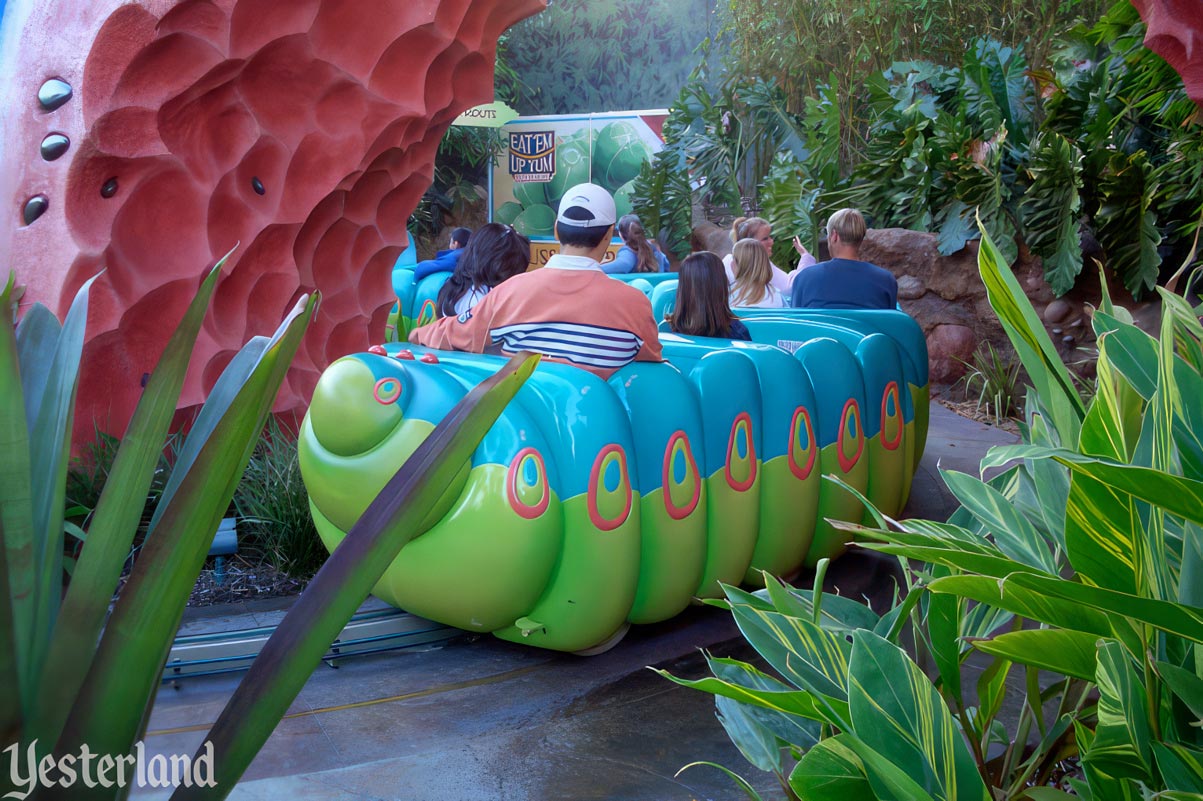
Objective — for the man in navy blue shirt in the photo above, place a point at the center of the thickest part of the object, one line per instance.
(844, 281)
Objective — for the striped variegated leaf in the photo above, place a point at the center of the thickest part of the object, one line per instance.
(1122, 738)
(1172, 618)
(1112, 424)
(1070, 653)
(1101, 528)
(757, 732)
(804, 654)
(1026, 332)
(832, 770)
(1177, 495)
(793, 702)
(1032, 605)
(1012, 533)
(898, 713)
(1130, 352)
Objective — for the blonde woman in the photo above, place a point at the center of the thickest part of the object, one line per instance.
(761, 230)
(753, 277)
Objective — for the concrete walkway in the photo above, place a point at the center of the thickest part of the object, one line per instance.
(478, 718)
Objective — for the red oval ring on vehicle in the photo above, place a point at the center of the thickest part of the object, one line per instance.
(691, 472)
(743, 421)
(891, 393)
(851, 412)
(812, 450)
(514, 475)
(624, 482)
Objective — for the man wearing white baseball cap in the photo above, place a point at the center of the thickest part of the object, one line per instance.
(569, 311)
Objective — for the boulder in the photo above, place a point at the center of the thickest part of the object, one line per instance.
(947, 347)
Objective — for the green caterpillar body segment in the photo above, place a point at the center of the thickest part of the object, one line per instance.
(591, 505)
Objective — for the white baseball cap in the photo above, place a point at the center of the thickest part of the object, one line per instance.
(587, 206)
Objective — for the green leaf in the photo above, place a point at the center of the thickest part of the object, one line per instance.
(1050, 208)
(111, 705)
(1046, 794)
(50, 446)
(944, 614)
(795, 730)
(1026, 332)
(1184, 684)
(991, 689)
(1033, 605)
(1183, 621)
(391, 520)
(1181, 767)
(1012, 533)
(1179, 496)
(897, 713)
(747, 789)
(16, 573)
(790, 702)
(1122, 738)
(114, 524)
(804, 654)
(1100, 534)
(1070, 653)
(831, 770)
(887, 779)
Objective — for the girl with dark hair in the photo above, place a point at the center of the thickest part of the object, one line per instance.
(494, 253)
(638, 253)
(702, 308)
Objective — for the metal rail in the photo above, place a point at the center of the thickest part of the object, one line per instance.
(366, 633)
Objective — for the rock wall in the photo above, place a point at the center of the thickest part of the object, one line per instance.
(148, 138)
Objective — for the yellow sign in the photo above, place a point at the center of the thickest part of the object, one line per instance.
(490, 115)
(540, 252)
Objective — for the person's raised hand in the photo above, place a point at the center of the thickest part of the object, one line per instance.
(798, 246)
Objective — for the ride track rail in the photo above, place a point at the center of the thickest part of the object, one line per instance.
(368, 632)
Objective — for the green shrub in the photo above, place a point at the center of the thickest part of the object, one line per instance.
(273, 507)
(1079, 564)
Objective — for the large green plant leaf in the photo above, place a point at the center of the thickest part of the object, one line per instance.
(1123, 736)
(1127, 224)
(1179, 496)
(1051, 206)
(1181, 768)
(14, 525)
(52, 412)
(1021, 601)
(944, 615)
(1173, 618)
(801, 703)
(897, 713)
(832, 770)
(803, 653)
(1070, 653)
(757, 732)
(1012, 533)
(394, 517)
(114, 524)
(1026, 332)
(111, 705)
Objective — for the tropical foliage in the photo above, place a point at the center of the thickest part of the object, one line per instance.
(608, 55)
(1076, 570)
(75, 671)
(1089, 140)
